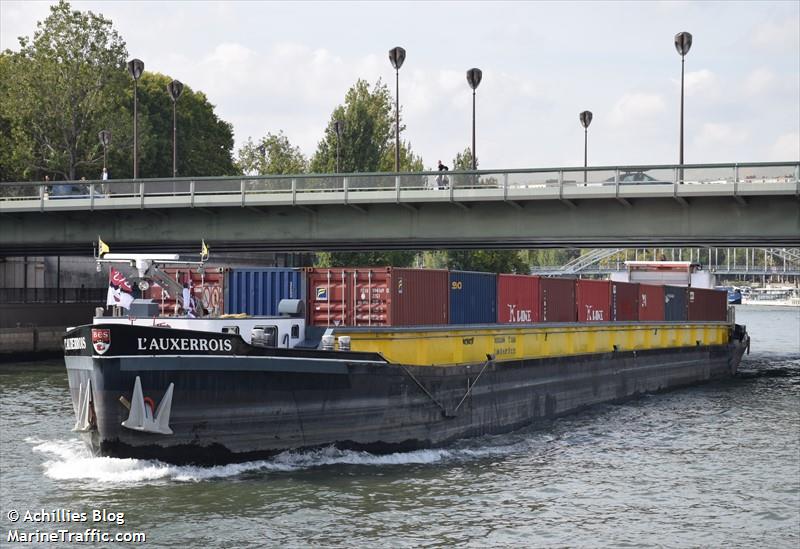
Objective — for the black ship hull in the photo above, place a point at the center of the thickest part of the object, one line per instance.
(248, 403)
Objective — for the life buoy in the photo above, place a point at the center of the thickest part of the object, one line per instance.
(215, 297)
(150, 402)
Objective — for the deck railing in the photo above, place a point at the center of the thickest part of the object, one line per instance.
(738, 180)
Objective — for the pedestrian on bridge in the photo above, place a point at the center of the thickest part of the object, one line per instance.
(442, 182)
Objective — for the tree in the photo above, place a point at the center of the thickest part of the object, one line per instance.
(366, 259)
(550, 257)
(65, 88)
(492, 261)
(273, 154)
(70, 81)
(205, 143)
(463, 160)
(366, 145)
(367, 141)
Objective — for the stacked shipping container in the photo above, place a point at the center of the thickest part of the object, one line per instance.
(624, 301)
(473, 297)
(380, 296)
(517, 299)
(674, 303)
(593, 300)
(385, 296)
(257, 291)
(207, 288)
(705, 304)
(651, 302)
(557, 300)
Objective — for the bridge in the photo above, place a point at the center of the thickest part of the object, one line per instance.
(740, 204)
(777, 262)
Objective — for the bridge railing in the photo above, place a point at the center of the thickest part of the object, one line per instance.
(517, 184)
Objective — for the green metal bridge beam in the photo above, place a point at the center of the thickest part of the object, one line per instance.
(769, 221)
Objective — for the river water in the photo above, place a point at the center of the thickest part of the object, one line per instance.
(714, 465)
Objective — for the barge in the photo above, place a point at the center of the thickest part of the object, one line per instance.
(216, 390)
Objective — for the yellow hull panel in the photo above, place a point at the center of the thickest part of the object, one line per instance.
(460, 345)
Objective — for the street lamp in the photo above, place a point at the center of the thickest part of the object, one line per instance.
(397, 55)
(105, 141)
(474, 79)
(262, 149)
(683, 42)
(586, 119)
(135, 68)
(338, 128)
(175, 89)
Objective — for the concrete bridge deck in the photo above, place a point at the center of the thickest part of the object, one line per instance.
(720, 204)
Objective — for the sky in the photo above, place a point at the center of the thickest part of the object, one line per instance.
(284, 66)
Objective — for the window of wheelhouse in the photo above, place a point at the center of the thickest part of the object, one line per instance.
(270, 335)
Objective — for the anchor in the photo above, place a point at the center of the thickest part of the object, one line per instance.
(143, 418)
(85, 411)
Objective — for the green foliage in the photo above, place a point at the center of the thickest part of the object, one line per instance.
(366, 259)
(69, 82)
(66, 81)
(16, 147)
(204, 142)
(491, 261)
(463, 161)
(368, 140)
(551, 256)
(366, 145)
(395, 258)
(409, 162)
(367, 117)
(434, 259)
(272, 155)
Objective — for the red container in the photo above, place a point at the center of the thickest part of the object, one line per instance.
(651, 302)
(707, 304)
(593, 300)
(557, 300)
(624, 301)
(208, 289)
(377, 296)
(517, 299)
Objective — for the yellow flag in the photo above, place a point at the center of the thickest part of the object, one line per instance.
(204, 251)
(102, 247)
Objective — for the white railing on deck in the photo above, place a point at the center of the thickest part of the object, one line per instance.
(737, 180)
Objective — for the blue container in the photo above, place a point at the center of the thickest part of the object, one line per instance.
(257, 291)
(675, 303)
(473, 297)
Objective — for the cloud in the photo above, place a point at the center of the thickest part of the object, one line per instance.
(783, 36)
(720, 136)
(759, 81)
(636, 107)
(19, 19)
(786, 147)
(703, 83)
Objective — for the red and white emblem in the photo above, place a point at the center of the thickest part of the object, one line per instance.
(101, 340)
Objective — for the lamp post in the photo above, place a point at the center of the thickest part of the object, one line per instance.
(262, 149)
(105, 141)
(175, 89)
(474, 77)
(683, 42)
(135, 68)
(338, 128)
(397, 55)
(586, 119)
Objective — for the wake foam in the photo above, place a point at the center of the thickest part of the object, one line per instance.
(71, 460)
